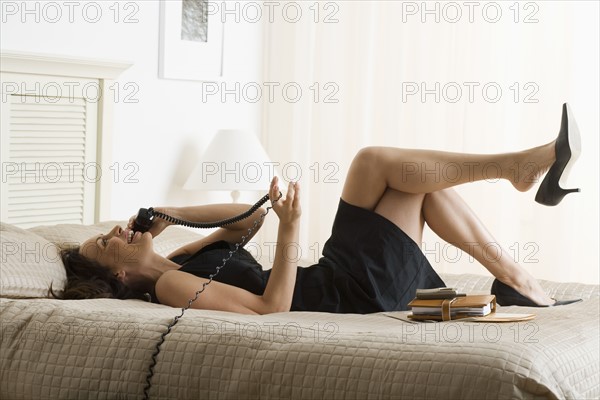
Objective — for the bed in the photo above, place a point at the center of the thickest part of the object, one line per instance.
(102, 348)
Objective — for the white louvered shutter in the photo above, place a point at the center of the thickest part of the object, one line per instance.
(49, 158)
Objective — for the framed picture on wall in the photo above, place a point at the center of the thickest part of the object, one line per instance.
(191, 40)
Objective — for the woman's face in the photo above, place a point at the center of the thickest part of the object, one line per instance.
(123, 252)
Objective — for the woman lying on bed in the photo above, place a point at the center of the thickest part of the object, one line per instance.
(372, 262)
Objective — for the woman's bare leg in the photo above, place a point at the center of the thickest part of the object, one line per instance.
(446, 213)
(407, 186)
(374, 169)
(404, 210)
(451, 219)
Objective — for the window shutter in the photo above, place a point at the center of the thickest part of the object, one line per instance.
(49, 158)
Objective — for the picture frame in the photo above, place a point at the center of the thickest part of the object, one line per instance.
(191, 41)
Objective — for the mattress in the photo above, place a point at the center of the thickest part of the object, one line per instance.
(102, 349)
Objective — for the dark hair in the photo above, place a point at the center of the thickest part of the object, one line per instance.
(87, 279)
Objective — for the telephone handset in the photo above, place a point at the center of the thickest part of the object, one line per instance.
(143, 222)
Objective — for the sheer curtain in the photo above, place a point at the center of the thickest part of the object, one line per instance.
(485, 79)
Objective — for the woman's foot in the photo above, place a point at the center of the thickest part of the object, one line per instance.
(530, 165)
(507, 296)
(529, 294)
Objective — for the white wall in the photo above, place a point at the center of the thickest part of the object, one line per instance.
(166, 130)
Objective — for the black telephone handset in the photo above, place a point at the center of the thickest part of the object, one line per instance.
(143, 221)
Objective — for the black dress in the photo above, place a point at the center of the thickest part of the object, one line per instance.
(368, 265)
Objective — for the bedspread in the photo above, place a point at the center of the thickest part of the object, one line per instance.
(102, 349)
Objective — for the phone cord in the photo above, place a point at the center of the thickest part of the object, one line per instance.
(211, 276)
(214, 224)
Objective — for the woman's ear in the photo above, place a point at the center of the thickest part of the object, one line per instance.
(120, 275)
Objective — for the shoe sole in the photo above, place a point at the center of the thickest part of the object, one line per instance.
(574, 139)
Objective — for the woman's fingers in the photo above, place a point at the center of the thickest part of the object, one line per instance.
(296, 202)
(131, 220)
(274, 191)
(287, 207)
(289, 197)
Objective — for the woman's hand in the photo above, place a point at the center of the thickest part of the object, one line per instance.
(158, 224)
(287, 209)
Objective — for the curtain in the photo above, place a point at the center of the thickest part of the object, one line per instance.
(440, 75)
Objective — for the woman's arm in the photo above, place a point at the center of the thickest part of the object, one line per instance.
(214, 212)
(280, 287)
(231, 233)
(174, 288)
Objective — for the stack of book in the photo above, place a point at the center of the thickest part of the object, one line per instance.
(445, 305)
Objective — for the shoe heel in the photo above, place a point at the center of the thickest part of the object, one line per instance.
(553, 195)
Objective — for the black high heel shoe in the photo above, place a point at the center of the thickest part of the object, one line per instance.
(567, 148)
(507, 296)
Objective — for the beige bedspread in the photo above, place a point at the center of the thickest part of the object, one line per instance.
(102, 349)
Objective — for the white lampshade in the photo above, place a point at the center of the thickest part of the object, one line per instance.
(234, 161)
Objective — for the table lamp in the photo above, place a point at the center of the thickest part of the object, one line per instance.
(233, 161)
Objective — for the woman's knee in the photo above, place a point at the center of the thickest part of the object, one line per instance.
(367, 157)
(365, 182)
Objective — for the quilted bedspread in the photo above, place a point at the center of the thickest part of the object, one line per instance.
(53, 349)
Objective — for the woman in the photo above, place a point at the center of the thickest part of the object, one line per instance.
(372, 261)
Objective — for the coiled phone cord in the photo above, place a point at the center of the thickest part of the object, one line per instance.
(215, 224)
(145, 218)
